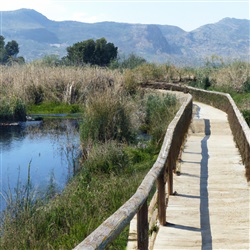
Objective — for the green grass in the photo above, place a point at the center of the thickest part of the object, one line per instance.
(12, 109)
(53, 108)
(246, 114)
(241, 98)
(108, 177)
(89, 198)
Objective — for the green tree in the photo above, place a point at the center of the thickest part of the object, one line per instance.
(2, 49)
(12, 48)
(8, 52)
(92, 52)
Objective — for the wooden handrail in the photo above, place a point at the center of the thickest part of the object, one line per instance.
(223, 101)
(165, 163)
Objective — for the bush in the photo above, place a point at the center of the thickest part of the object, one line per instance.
(130, 62)
(246, 85)
(106, 158)
(131, 84)
(12, 109)
(107, 116)
(149, 72)
(35, 94)
(232, 77)
(246, 114)
(160, 110)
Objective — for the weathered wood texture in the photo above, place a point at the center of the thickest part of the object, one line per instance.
(173, 139)
(142, 227)
(166, 160)
(210, 208)
(224, 102)
(161, 199)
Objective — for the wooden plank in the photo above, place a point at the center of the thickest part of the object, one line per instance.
(211, 207)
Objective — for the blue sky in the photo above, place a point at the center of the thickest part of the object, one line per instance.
(186, 14)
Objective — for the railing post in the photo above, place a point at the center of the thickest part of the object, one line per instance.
(142, 227)
(161, 199)
(170, 174)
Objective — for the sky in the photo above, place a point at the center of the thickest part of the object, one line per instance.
(186, 14)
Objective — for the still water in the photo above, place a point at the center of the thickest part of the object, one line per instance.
(50, 147)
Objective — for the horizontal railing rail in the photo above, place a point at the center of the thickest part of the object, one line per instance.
(223, 101)
(161, 171)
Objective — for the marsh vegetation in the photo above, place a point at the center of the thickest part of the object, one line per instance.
(121, 133)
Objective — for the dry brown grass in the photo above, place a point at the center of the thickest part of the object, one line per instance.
(232, 77)
(56, 84)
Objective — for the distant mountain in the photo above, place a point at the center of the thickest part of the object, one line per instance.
(38, 36)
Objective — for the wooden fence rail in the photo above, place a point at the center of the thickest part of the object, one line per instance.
(161, 171)
(223, 101)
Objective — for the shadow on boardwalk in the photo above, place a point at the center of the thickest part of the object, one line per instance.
(204, 205)
(205, 228)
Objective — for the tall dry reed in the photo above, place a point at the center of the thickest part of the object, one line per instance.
(37, 83)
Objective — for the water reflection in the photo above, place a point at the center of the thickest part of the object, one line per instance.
(51, 148)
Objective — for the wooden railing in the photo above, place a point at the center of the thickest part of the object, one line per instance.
(162, 170)
(161, 173)
(239, 127)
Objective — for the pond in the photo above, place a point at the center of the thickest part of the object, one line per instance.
(50, 148)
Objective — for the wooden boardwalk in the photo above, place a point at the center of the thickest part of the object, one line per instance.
(211, 206)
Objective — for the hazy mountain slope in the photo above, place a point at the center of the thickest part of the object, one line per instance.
(228, 37)
(38, 36)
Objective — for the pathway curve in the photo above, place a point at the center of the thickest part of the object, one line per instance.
(211, 207)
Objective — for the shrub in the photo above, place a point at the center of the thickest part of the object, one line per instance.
(130, 62)
(149, 72)
(202, 78)
(131, 85)
(246, 114)
(246, 85)
(107, 116)
(35, 94)
(232, 77)
(12, 109)
(160, 110)
(106, 158)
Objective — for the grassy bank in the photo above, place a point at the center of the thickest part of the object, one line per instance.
(87, 200)
(115, 157)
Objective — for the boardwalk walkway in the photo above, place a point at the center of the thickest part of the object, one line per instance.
(211, 206)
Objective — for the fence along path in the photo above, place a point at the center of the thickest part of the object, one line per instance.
(211, 202)
(218, 184)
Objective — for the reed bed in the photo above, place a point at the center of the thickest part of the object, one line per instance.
(114, 159)
(38, 83)
(113, 163)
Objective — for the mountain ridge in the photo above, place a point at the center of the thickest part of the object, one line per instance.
(38, 36)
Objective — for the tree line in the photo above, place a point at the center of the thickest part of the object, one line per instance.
(92, 52)
(99, 52)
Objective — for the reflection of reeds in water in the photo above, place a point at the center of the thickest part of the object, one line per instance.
(23, 201)
(64, 133)
(19, 199)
